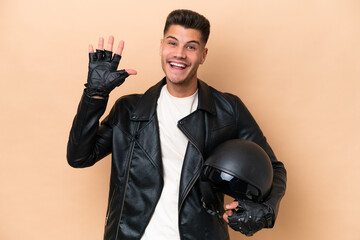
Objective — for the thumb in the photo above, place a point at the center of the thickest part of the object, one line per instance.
(131, 71)
(117, 78)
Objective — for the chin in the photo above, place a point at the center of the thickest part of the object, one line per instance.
(176, 81)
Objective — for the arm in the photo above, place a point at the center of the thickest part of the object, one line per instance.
(264, 214)
(88, 142)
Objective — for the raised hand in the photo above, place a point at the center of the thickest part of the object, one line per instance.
(103, 75)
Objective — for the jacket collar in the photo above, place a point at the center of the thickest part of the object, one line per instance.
(146, 107)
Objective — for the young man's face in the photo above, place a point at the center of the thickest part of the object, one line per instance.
(182, 51)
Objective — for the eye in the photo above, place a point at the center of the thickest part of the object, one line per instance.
(191, 47)
(172, 43)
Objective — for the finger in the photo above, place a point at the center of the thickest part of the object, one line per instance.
(120, 47)
(115, 62)
(232, 205)
(118, 77)
(91, 49)
(100, 54)
(110, 43)
(92, 57)
(108, 56)
(101, 43)
(225, 217)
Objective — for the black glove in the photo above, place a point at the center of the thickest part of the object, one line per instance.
(251, 217)
(103, 76)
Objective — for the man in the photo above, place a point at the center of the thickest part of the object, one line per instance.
(159, 141)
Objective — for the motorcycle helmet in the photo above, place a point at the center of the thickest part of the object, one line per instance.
(239, 168)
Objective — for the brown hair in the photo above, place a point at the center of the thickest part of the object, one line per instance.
(189, 19)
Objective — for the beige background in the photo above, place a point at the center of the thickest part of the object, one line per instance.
(295, 64)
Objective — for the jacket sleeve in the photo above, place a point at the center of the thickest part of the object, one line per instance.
(88, 142)
(249, 130)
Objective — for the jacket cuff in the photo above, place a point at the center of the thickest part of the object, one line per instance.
(269, 216)
(92, 100)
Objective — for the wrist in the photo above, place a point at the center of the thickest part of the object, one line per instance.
(95, 93)
(269, 216)
(98, 97)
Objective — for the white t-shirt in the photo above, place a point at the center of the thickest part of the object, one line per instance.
(164, 222)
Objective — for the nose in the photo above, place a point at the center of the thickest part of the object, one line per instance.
(180, 53)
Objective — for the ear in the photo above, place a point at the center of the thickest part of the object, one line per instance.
(204, 54)
(161, 46)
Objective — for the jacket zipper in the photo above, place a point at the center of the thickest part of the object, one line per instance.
(126, 183)
(111, 199)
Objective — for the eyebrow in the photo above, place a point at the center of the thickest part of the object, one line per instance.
(191, 41)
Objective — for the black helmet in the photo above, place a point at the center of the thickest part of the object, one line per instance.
(239, 168)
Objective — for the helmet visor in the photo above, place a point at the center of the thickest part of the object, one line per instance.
(230, 185)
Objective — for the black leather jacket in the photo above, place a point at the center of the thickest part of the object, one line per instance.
(131, 133)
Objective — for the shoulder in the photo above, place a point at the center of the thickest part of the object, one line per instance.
(224, 98)
(230, 97)
(227, 103)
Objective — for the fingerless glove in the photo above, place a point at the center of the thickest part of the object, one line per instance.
(103, 76)
(251, 217)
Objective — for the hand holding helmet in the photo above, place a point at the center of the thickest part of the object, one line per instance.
(250, 217)
(242, 170)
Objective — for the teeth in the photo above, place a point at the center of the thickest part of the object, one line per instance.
(178, 65)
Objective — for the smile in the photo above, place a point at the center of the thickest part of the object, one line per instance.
(177, 65)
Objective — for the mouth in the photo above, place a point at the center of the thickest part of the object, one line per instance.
(177, 65)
